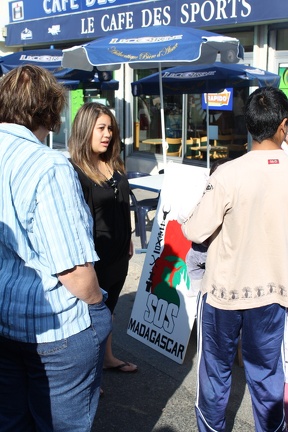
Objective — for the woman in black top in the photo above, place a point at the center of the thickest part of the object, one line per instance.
(94, 147)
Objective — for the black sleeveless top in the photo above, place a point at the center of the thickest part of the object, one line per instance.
(112, 225)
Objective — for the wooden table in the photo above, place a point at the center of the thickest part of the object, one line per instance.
(214, 150)
(157, 142)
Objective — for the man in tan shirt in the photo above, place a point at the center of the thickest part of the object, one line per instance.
(244, 214)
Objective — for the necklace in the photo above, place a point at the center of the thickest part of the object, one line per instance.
(112, 182)
(105, 169)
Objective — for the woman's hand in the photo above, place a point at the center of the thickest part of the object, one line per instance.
(131, 250)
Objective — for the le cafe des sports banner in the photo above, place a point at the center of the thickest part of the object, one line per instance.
(51, 21)
(164, 311)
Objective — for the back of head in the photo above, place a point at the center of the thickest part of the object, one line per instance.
(264, 111)
(31, 96)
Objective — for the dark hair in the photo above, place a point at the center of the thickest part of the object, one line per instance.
(31, 96)
(80, 147)
(265, 109)
(217, 163)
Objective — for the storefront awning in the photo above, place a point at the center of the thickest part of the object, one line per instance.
(90, 24)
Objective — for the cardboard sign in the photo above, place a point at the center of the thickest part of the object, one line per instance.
(163, 313)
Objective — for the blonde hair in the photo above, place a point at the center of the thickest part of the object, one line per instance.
(80, 148)
(31, 96)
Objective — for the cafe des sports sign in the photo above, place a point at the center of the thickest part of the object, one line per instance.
(52, 21)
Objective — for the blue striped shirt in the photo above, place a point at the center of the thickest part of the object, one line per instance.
(45, 228)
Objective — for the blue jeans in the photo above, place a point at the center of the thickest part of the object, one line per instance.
(54, 386)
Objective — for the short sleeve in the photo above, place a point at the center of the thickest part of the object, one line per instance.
(61, 231)
(208, 215)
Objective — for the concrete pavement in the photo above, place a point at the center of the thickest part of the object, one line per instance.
(160, 396)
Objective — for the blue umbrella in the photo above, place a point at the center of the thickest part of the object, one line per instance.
(51, 59)
(152, 47)
(212, 78)
(48, 58)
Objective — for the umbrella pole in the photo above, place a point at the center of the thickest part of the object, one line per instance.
(184, 125)
(164, 143)
(207, 127)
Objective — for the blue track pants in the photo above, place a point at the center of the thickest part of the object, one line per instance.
(262, 332)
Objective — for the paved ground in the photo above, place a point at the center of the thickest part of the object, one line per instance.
(160, 396)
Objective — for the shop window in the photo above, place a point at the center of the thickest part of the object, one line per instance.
(282, 40)
(148, 132)
(230, 140)
(246, 38)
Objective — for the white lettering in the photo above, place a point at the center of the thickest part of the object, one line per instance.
(146, 39)
(222, 10)
(221, 5)
(73, 4)
(91, 3)
(45, 7)
(113, 23)
(56, 7)
(103, 26)
(194, 10)
(146, 18)
(234, 4)
(89, 27)
(211, 10)
(151, 304)
(169, 324)
(185, 14)
(59, 5)
(41, 58)
(246, 5)
(157, 12)
(121, 21)
(166, 14)
(156, 16)
(64, 2)
(160, 313)
(189, 75)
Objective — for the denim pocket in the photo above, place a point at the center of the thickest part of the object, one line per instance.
(101, 320)
(51, 347)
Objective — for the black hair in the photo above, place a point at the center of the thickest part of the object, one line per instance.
(265, 109)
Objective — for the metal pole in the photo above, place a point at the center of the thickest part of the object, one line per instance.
(164, 143)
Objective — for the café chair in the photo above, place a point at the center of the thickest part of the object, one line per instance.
(192, 149)
(212, 143)
(203, 144)
(174, 146)
(141, 208)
